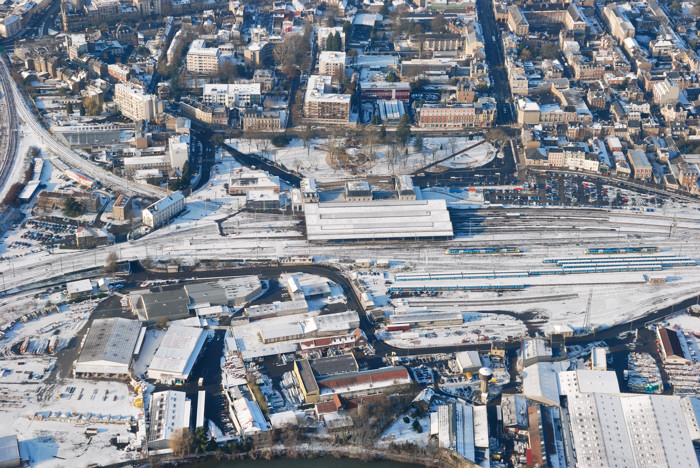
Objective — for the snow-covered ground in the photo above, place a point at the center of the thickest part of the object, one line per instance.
(314, 160)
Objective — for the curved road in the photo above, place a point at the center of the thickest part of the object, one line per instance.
(9, 146)
(66, 154)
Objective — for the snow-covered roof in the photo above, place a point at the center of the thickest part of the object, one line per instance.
(540, 382)
(379, 219)
(177, 351)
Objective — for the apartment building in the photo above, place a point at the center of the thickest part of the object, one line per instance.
(235, 95)
(203, 59)
(331, 63)
(134, 104)
(163, 210)
(322, 105)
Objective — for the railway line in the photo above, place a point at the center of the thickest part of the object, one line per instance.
(8, 126)
(71, 158)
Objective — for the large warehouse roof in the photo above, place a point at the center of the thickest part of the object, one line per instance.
(110, 340)
(177, 352)
(377, 220)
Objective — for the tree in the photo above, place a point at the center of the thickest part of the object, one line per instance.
(347, 29)
(417, 84)
(201, 440)
(403, 130)
(549, 50)
(437, 24)
(82, 109)
(291, 52)
(73, 207)
(417, 427)
(69, 108)
(418, 143)
(111, 263)
(391, 77)
(227, 71)
(382, 132)
(181, 442)
(217, 139)
(186, 176)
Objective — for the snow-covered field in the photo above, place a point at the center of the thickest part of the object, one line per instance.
(314, 160)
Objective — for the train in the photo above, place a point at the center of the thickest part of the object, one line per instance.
(560, 261)
(482, 250)
(608, 250)
(489, 287)
(23, 347)
(52, 344)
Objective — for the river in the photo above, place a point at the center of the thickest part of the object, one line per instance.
(324, 462)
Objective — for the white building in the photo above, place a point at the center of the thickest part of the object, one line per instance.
(322, 104)
(163, 210)
(108, 348)
(331, 62)
(178, 150)
(202, 59)
(168, 411)
(176, 355)
(134, 104)
(232, 95)
(10, 25)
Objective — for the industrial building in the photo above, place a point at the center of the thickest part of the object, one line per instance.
(377, 220)
(225, 292)
(541, 382)
(534, 350)
(463, 429)
(108, 348)
(245, 412)
(80, 288)
(276, 309)
(671, 349)
(302, 286)
(176, 355)
(169, 411)
(468, 361)
(163, 210)
(630, 430)
(171, 304)
(347, 384)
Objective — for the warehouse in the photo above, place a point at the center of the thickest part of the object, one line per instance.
(168, 411)
(377, 220)
(671, 349)
(366, 382)
(226, 292)
(277, 309)
(332, 324)
(615, 429)
(176, 355)
(108, 348)
(461, 428)
(534, 350)
(281, 332)
(307, 286)
(161, 305)
(468, 361)
(9, 452)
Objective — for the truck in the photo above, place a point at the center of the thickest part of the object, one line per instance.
(24, 346)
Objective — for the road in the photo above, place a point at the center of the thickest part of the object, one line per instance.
(500, 85)
(66, 154)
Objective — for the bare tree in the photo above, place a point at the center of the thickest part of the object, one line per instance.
(111, 263)
(181, 442)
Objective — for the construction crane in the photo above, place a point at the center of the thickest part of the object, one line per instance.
(587, 317)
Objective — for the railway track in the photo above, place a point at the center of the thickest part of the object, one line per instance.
(65, 154)
(9, 128)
